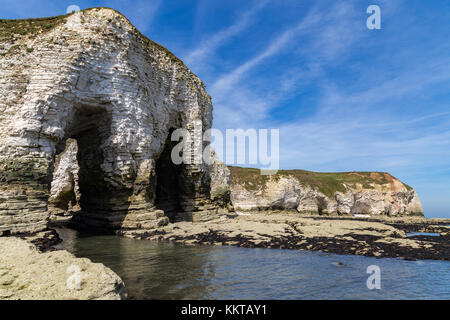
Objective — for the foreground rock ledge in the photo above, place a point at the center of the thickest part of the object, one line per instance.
(28, 274)
(375, 237)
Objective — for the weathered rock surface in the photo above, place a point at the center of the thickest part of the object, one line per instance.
(380, 237)
(27, 274)
(323, 193)
(92, 77)
(65, 189)
(220, 182)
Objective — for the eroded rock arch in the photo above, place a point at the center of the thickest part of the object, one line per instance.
(94, 78)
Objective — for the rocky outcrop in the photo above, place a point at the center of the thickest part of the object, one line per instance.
(354, 193)
(92, 77)
(65, 189)
(27, 274)
(376, 237)
(220, 182)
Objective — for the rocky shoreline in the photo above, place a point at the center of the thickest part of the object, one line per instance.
(22, 260)
(374, 237)
(28, 274)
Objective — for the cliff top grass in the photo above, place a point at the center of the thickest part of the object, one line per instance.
(10, 30)
(328, 183)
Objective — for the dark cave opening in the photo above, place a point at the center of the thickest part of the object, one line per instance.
(90, 158)
(321, 206)
(92, 204)
(168, 182)
(89, 129)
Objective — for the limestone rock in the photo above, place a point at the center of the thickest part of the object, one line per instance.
(65, 190)
(379, 236)
(326, 194)
(92, 77)
(27, 274)
(220, 181)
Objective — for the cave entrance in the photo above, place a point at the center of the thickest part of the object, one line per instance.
(80, 163)
(169, 191)
(322, 206)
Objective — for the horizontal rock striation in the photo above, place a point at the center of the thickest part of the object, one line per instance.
(353, 193)
(92, 77)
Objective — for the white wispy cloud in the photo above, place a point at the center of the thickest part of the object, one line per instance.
(359, 130)
(237, 104)
(365, 124)
(224, 83)
(197, 57)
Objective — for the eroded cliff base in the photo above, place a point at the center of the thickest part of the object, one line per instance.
(375, 237)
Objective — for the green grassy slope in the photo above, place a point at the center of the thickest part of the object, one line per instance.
(327, 183)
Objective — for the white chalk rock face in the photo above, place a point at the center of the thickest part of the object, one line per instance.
(65, 190)
(92, 77)
(314, 193)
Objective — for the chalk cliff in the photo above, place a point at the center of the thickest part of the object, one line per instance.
(363, 193)
(92, 77)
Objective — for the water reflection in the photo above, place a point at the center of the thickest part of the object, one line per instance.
(149, 269)
(430, 234)
(168, 271)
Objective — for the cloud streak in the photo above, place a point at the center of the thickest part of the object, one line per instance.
(224, 83)
(241, 105)
(364, 131)
(196, 58)
(388, 118)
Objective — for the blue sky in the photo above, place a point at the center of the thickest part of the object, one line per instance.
(344, 97)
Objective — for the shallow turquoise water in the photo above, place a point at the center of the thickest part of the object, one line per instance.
(168, 271)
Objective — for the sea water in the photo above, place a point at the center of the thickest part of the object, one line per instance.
(154, 270)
